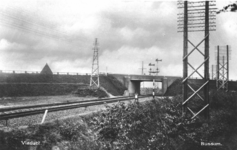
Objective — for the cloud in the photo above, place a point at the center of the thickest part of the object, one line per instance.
(61, 33)
(118, 26)
(129, 60)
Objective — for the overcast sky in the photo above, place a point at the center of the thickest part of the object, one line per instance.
(62, 32)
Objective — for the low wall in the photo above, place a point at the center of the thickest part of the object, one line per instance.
(42, 78)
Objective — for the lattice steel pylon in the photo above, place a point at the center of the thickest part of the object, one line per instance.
(95, 80)
(213, 72)
(222, 67)
(195, 18)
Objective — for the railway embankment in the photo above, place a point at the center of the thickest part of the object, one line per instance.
(46, 85)
(176, 87)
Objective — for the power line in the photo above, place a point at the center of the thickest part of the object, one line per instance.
(41, 30)
(30, 30)
(29, 22)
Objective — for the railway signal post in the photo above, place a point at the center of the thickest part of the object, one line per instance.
(153, 90)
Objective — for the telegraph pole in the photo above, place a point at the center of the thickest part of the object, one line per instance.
(206, 65)
(218, 67)
(142, 69)
(212, 72)
(223, 58)
(195, 18)
(185, 59)
(227, 67)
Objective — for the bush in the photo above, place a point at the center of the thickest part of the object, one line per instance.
(96, 92)
(160, 125)
(153, 125)
(66, 134)
(223, 117)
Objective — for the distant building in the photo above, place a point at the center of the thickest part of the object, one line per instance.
(46, 70)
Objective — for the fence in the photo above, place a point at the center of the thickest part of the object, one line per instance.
(38, 72)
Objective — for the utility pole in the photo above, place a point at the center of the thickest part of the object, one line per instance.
(227, 66)
(213, 71)
(212, 75)
(95, 80)
(223, 58)
(206, 63)
(218, 67)
(142, 69)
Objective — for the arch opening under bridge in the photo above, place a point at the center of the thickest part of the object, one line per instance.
(133, 82)
(134, 86)
(146, 88)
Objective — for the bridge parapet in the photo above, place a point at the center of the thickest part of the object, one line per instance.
(132, 82)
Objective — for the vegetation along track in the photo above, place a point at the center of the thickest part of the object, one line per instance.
(7, 113)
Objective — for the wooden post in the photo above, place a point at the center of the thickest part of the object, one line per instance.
(45, 114)
(185, 60)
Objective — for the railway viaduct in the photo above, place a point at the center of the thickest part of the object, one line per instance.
(133, 82)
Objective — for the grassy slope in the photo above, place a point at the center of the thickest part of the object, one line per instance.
(176, 87)
(223, 108)
(111, 84)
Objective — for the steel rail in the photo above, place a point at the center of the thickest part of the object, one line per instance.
(60, 108)
(53, 104)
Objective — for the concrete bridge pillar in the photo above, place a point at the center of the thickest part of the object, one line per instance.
(134, 87)
(164, 85)
(125, 81)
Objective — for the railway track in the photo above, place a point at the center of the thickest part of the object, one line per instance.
(7, 113)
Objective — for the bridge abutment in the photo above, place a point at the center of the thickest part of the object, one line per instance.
(164, 85)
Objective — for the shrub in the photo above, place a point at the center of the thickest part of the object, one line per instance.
(96, 92)
(160, 125)
(153, 125)
(66, 134)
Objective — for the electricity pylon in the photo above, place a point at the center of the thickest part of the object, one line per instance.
(95, 80)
